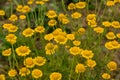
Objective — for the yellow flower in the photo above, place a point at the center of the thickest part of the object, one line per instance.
(112, 65)
(56, 32)
(36, 73)
(22, 17)
(7, 25)
(39, 60)
(99, 30)
(2, 12)
(40, 29)
(51, 14)
(28, 32)
(61, 16)
(81, 31)
(29, 62)
(71, 6)
(11, 38)
(13, 17)
(2, 77)
(65, 21)
(13, 28)
(76, 43)
(60, 39)
(91, 17)
(19, 8)
(40, 2)
(23, 51)
(115, 24)
(92, 23)
(50, 48)
(110, 35)
(91, 63)
(12, 73)
(24, 71)
(25, 9)
(6, 52)
(76, 15)
(108, 45)
(115, 44)
(118, 35)
(71, 36)
(48, 37)
(52, 22)
(106, 23)
(30, 2)
(80, 68)
(88, 54)
(80, 5)
(75, 50)
(55, 76)
(110, 3)
(106, 76)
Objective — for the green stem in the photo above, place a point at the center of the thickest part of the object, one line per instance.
(63, 6)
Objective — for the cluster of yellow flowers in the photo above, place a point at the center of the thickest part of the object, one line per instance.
(34, 52)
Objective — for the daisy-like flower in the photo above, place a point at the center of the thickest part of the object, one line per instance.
(28, 32)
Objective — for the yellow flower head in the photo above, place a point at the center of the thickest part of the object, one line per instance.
(39, 60)
(11, 38)
(115, 24)
(106, 23)
(2, 12)
(7, 25)
(24, 71)
(22, 17)
(13, 17)
(60, 39)
(110, 35)
(12, 73)
(92, 23)
(28, 32)
(29, 62)
(52, 22)
(106, 76)
(2, 77)
(112, 65)
(71, 36)
(91, 63)
(26, 9)
(76, 15)
(81, 31)
(75, 50)
(76, 43)
(88, 54)
(48, 37)
(65, 21)
(36, 73)
(56, 32)
(13, 28)
(71, 6)
(108, 45)
(118, 35)
(91, 17)
(99, 30)
(19, 8)
(50, 48)
(6, 52)
(110, 3)
(61, 16)
(80, 68)
(80, 5)
(40, 29)
(51, 14)
(55, 76)
(115, 44)
(23, 51)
